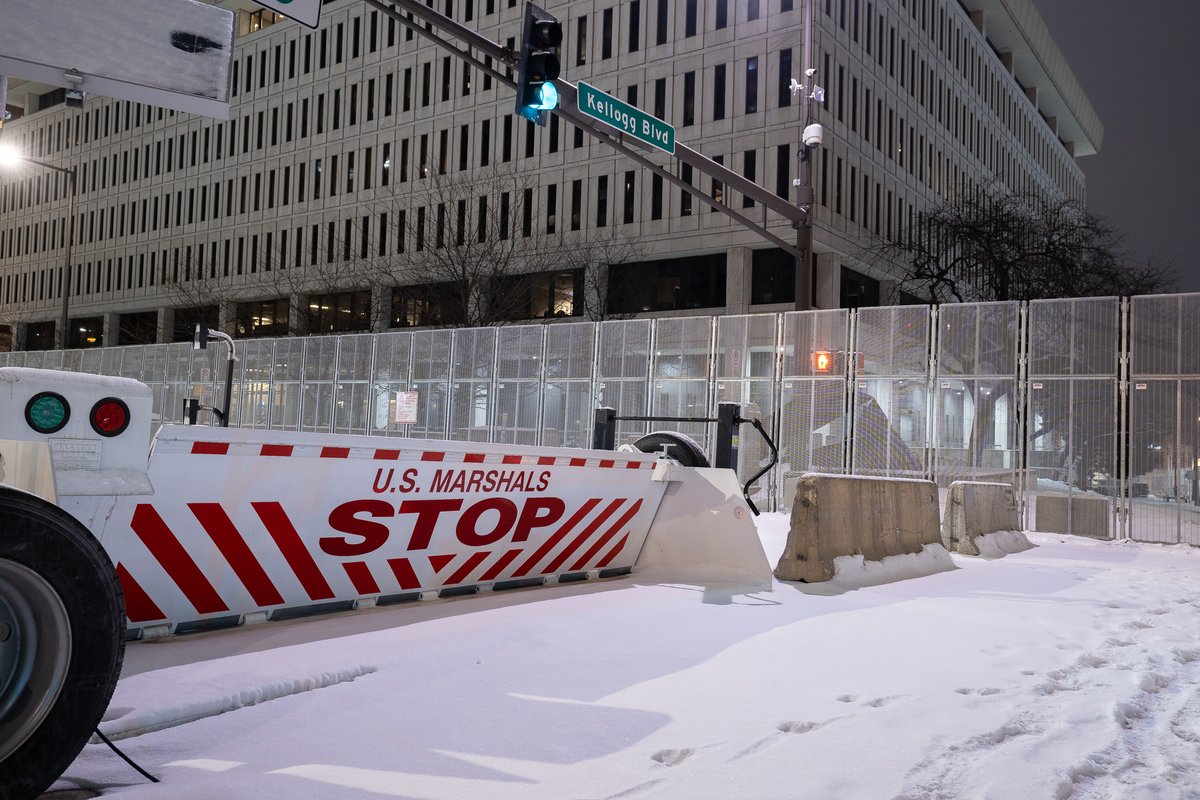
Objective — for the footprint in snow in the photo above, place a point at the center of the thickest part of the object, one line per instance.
(1140, 624)
(673, 756)
(847, 698)
(795, 726)
(1158, 612)
(880, 702)
(986, 691)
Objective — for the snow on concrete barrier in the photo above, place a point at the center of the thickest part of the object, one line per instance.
(977, 508)
(839, 515)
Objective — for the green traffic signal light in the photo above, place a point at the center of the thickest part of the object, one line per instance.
(538, 65)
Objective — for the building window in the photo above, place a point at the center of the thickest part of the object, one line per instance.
(343, 311)
(660, 36)
(719, 92)
(186, 320)
(749, 171)
(689, 18)
(581, 41)
(540, 295)
(722, 14)
(262, 318)
(752, 85)
(427, 304)
(602, 201)
(689, 98)
(685, 197)
(576, 203)
(635, 25)
(606, 34)
(785, 78)
(751, 10)
(674, 284)
(630, 195)
(772, 277)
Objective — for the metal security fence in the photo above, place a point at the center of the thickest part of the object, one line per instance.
(1089, 407)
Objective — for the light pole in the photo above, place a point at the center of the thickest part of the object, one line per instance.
(9, 157)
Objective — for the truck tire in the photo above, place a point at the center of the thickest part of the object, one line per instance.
(62, 640)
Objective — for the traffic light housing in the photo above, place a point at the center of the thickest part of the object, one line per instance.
(538, 65)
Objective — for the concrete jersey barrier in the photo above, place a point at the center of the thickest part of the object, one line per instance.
(840, 515)
(975, 508)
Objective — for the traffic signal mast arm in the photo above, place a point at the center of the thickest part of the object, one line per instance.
(418, 13)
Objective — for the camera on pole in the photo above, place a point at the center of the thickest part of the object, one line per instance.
(538, 65)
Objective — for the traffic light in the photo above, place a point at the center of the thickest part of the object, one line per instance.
(538, 65)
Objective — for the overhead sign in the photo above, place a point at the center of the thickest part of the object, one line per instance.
(166, 53)
(625, 118)
(306, 12)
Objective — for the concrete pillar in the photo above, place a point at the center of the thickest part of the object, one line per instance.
(1032, 93)
(297, 315)
(738, 275)
(111, 329)
(1006, 58)
(829, 282)
(979, 21)
(381, 308)
(227, 317)
(165, 332)
(1053, 123)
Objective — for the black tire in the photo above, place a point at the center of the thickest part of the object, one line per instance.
(62, 621)
(679, 447)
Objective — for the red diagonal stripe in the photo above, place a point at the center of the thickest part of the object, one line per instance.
(431, 456)
(404, 573)
(607, 537)
(335, 452)
(138, 605)
(466, 569)
(578, 462)
(229, 541)
(633, 464)
(604, 562)
(276, 450)
(439, 562)
(360, 576)
(292, 546)
(545, 461)
(210, 448)
(387, 455)
(167, 550)
(558, 535)
(511, 460)
(607, 464)
(501, 563)
(586, 534)
(473, 458)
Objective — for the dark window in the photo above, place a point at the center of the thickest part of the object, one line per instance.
(606, 34)
(186, 319)
(722, 14)
(427, 304)
(601, 201)
(752, 84)
(541, 295)
(749, 171)
(630, 197)
(138, 328)
(581, 41)
(635, 25)
(785, 78)
(660, 36)
(660, 98)
(751, 9)
(262, 318)
(689, 18)
(772, 277)
(858, 290)
(344, 311)
(719, 92)
(667, 285)
(689, 98)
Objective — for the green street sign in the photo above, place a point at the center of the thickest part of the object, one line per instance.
(625, 118)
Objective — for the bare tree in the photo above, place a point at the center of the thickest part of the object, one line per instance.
(994, 244)
(602, 289)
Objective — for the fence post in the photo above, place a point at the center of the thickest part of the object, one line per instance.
(727, 436)
(604, 432)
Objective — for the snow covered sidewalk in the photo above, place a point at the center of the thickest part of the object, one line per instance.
(1069, 670)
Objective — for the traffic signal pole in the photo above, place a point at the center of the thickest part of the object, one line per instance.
(414, 15)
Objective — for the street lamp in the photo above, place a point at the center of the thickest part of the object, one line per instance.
(10, 157)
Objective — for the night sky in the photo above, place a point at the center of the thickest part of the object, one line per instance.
(1137, 63)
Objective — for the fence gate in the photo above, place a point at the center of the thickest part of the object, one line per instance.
(1071, 444)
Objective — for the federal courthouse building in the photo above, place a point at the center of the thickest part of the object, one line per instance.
(356, 150)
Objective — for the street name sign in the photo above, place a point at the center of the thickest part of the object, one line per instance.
(625, 118)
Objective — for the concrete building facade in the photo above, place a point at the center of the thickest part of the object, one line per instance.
(356, 153)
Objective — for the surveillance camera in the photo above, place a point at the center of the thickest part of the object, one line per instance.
(813, 135)
(810, 71)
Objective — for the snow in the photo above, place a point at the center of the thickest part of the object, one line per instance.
(1069, 669)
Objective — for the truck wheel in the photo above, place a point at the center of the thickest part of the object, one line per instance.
(62, 640)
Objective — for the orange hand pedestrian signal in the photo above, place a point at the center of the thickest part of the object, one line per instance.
(822, 361)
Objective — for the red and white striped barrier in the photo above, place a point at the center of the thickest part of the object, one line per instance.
(222, 526)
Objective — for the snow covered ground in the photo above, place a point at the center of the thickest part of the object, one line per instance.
(1070, 670)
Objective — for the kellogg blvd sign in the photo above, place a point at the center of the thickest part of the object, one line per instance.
(626, 118)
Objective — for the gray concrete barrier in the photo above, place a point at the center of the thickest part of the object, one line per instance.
(974, 508)
(840, 515)
(1090, 515)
